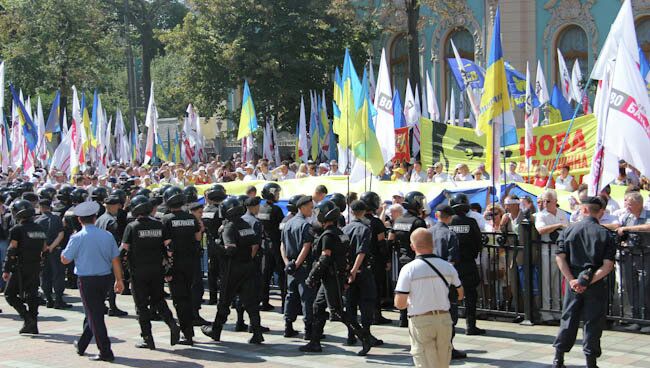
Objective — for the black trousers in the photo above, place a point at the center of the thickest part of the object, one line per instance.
(272, 263)
(181, 290)
(362, 295)
(197, 286)
(215, 261)
(379, 273)
(21, 291)
(147, 291)
(299, 294)
(53, 275)
(238, 278)
(636, 283)
(591, 308)
(93, 291)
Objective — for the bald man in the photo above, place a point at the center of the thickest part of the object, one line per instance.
(423, 289)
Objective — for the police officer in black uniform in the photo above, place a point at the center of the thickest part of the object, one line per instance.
(122, 221)
(470, 244)
(414, 203)
(108, 221)
(329, 275)
(183, 234)
(271, 217)
(297, 238)
(70, 226)
(23, 264)
(340, 202)
(585, 255)
(378, 250)
(292, 210)
(238, 273)
(52, 277)
(212, 220)
(98, 195)
(362, 291)
(147, 254)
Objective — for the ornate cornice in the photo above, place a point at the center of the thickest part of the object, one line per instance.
(570, 12)
(454, 14)
(641, 7)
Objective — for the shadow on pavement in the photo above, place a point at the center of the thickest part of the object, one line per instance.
(68, 339)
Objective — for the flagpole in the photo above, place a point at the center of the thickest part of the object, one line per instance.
(566, 136)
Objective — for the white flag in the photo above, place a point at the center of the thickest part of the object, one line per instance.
(303, 141)
(151, 122)
(75, 136)
(64, 128)
(432, 103)
(452, 107)
(384, 124)
(528, 117)
(62, 157)
(122, 144)
(565, 77)
(267, 151)
(622, 31)
(415, 144)
(540, 85)
(41, 146)
(576, 77)
(627, 118)
(411, 113)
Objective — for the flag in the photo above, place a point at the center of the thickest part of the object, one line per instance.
(247, 148)
(64, 122)
(267, 145)
(645, 69)
(52, 124)
(29, 129)
(190, 135)
(541, 91)
(122, 143)
(528, 118)
(75, 141)
(351, 86)
(314, 134)
(303, 142)
(576, 78)
(622, 31)
(63, 156)
(161, 152)
(96, 116)
(151, 122)
(16, 137)
(517, 87)
(399, 121)
(41, 147)
(466, 73)
(373, 85)
(326, 129)
(452, 107)
(565, 77)
(627, 117)
(466, 80)
(177, 147)
(198, 134)
(559, 108)
(336, 100)
(604, 166)
(496, 119)
(411, 112)
(84, 132)
(432, 101)
(248, 119)
(384, 123)
(402, 152)
(136, 154)
(416, 126)
(363, 136)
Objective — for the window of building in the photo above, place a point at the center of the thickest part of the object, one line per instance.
(573, 44)
(643, 35)
(399, 64)
(465, 45)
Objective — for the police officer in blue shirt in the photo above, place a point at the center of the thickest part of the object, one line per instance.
(95, 254)
(297, 239)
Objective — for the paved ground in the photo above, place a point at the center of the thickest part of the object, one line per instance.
(506, 345)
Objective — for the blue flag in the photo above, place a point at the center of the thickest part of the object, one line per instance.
(52, 125)
(560, 107)
(474, 74)
(29, 128)
(398, 111)
(517, 87)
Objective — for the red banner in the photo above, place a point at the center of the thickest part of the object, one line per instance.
(402, 152)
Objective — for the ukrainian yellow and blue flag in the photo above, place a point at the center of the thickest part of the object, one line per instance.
(248, 119)
(52, 125)
(29, 128)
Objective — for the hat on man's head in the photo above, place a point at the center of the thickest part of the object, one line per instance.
(45, 203)
(303, 201)
(358, 205)
(252, 201)
(86, 209)
(445, 209)
(194, 206)
(112, 199)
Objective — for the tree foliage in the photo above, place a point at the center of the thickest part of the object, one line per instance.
(283, 47)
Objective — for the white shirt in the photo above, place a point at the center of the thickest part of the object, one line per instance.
(426, 291)
(461, 177)
(250, 177)
(480, 220)
(263, 176)
(333, 173)
(546, 218)
(612, 206)
(289, 175)
(564, 184)
(441, 178)
(513, 177)
(420, 177)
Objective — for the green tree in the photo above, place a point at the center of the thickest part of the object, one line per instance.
(283, 47)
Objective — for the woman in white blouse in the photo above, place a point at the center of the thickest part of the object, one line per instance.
(463, 173)
(565, 181)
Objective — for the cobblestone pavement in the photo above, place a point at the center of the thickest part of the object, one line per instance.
(505, 345)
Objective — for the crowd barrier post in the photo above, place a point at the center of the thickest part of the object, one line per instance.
(526, 235)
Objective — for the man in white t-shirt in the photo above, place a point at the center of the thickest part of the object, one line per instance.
(423, 292)
(549, 222)
(417, 175)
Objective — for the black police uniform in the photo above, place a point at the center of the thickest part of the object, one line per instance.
(332, 279)
(24, 264)
(403, 227)
(52, 277)
(212, 220)
(146, 253)
(109, 223)
(70, 226)
(586, 245)
(297, 231)
(380, 256)
(470, 245)
(271, 216)
(237, 277)
(362, 293)
(181, 227)
(257, 227)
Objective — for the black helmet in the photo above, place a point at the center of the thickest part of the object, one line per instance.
(271, 192)
(79, 195)
(232, 208)
(292, 205)
(164, 188)
(22, 209)
(216, 193)
(242, 198)
(99, 194)
(47, 193)
(339, 201)
(371, 200)
(25, 186)
(144, 192)
(327, 211)
(140, 205)
(119, 193)
(415, 201)
(459, 202)
(64, 192)
(191, 194)
(174, 197)
(30, 196)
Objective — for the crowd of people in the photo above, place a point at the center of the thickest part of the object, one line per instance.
(330, 251)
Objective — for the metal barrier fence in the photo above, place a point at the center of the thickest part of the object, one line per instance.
(520, 278)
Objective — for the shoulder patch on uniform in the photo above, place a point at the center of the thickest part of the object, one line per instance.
(401, 226)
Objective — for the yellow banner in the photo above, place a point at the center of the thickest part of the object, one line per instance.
(454, 145)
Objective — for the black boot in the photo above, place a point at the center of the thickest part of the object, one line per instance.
(308, 332)
(367, 341)
(175, 331)
(591, 361)
(314, 331)
(558, 361)
(188, 337)
(213, 331)
(352, 339)
(403, 318)
(257, 337)
(146, 343)
(472, 330)
(288, 330)
(241, 326)
(29, 326)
